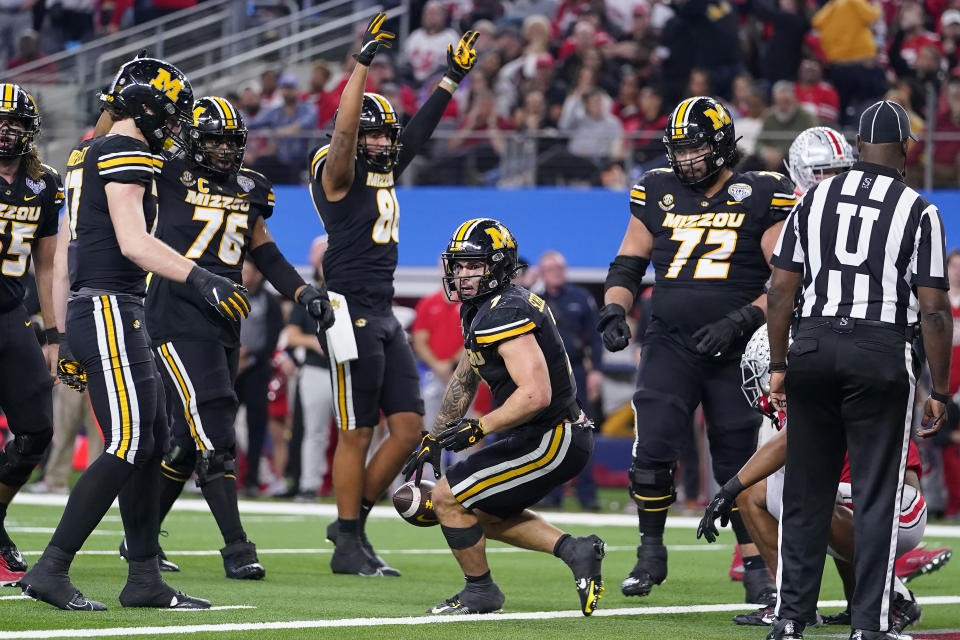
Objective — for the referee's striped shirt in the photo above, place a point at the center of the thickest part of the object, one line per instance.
(864, 241)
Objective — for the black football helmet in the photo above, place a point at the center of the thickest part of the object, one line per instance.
(158, 97)
(481, 239)
(216, 121)
(695, 123)
(377, 114)
(17, 104)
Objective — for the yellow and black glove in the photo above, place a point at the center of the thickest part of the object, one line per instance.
(69, 371)
(223, 294)
(428, 451)
(461, 60)
(461, 434)
(373, 38)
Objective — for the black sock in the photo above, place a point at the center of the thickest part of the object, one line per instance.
(170, 490)
(4, 538)
(89, 500)
(561, 543)
(652, 524)
(739, 528)
(221, 496)
(365, 507)
(349, 526)
(138, 509)
(479, 580)
(753, 562)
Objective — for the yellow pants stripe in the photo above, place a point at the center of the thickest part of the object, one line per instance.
(122, 395)
(185, 393)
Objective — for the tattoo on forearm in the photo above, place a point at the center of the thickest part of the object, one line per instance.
(457, 398)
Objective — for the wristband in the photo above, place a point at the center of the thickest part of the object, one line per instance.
(777, 366)
(450, 83)
(733, 487)
(940, 397)
(52, 336)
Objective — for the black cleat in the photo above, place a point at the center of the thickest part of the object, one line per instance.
(759, 587)
(165, 565)
(585, 559)
(904, 613)
(862, 634)
(12, 565)
(473, 599)
(762, 617)
(48, 582)
(333, 529)
(240, 561)
(786, 629)
(841, 619)
(650, 570)
(145, 588)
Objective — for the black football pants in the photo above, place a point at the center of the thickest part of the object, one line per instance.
(848, 386)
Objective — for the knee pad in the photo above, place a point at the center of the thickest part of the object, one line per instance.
(179, 463)
(653, 488)
(21, 456)
(215, 464)
(462, 537)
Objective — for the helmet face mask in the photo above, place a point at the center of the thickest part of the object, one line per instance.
(217, 137)
(700, 123)
(817, 154)
(480, 260)
(755, 376)
(19, 121)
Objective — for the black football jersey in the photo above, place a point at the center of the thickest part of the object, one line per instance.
(29, 209)
(363, 234)
(515, 312)
(706, 251)
(209, 220)
(94, 257)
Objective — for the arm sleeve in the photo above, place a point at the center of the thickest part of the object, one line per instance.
(929, 258)
(124, 159)
(317, 160)
(421, 127)
(788, 254)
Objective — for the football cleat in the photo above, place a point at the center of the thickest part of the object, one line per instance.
(650, 570)
(904, 613)
(918, 562)
(350, 557)
(762, 617)
(586, 560)
(473, 599)
(162, 597)
(736, 565)
(12, 565)
(862, 634)
(47, 581)
(840, 619)
(759, 587)
(165, 565)
(385, 570)
(786, 629)
(240, 561)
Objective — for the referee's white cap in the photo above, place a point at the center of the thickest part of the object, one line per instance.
(885, 121)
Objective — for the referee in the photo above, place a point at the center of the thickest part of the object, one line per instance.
(869, 253)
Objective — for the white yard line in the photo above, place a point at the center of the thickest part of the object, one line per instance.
(399, 621)
(96, 532)
(220, 608)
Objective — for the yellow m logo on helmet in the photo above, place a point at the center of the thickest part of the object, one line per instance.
(500, 237)
(168, 85)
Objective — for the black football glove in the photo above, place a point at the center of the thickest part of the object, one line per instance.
(226, 296)
(373, 38)
(613, 325)
(428, 451)
(461, 434)
(69, 371)
(720, 507)
(318, 306)
(716, 337)
(461, 60)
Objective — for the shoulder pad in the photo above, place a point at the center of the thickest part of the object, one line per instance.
(126, 159)
(649, 180)
(506, 316)
(316, 161)
(50, 170)
(776, 188)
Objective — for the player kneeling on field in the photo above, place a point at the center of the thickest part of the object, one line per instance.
(511, 343)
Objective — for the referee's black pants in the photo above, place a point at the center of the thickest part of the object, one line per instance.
(850, 386)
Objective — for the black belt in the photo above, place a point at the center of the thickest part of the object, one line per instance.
(845, 324)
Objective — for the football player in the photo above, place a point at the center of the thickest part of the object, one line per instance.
(709, 231)
(30, 199)
(104, 252)
(757, 489)
(214, 212)
(352, 183)
(511, 342)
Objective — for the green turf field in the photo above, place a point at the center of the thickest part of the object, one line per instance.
(299, 587)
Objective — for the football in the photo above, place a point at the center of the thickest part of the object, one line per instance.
(415, 504)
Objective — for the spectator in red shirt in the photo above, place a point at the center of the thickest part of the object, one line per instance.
(815, 94)
(318, 94)
(438, 343)
(29, 51)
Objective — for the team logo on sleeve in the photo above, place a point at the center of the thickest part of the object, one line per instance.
(245, 183)
(667, 202)
(187, 179)
(36, 185)
(740, 191)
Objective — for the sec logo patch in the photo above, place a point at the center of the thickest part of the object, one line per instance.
(360, 322)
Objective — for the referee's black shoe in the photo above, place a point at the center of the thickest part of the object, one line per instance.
(650, 570)
(48, 581)
(786, 629)
(145, 588)
(333, 529)
(584, 556)
(165, 565)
